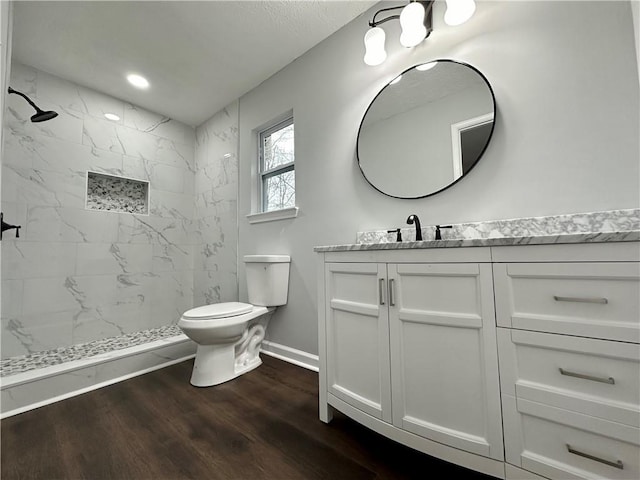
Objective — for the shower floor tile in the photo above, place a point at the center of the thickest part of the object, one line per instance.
(48, 358)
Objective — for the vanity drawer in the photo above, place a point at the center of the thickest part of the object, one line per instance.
(599, 378)
(598, 300)
(560, 444)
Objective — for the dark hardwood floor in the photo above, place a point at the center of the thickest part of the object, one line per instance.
(262, 425)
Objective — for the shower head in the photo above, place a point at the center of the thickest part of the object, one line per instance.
(40, 115)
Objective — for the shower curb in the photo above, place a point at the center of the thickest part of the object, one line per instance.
(36, 388)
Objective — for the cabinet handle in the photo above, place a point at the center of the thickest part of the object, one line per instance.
(611, 463)
(603, 301)
(381, 291)
(392, 300)
(609, 380)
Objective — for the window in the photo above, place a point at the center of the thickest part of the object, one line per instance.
(277, 174)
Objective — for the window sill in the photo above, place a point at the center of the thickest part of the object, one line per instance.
(273, 215)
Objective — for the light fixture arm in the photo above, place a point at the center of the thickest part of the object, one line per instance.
(374, 23)
(428, 5)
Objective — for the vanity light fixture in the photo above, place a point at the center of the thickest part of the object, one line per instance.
(138, 81)
(416, 22)
(112, 116)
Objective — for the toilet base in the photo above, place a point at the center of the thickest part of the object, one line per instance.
(215, 364)
(219, 363)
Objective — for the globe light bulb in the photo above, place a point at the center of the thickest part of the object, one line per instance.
(412, 23)
(459, 11)
(426, 66)
(375, 53)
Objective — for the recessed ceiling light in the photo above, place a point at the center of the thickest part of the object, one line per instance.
(227, 155)
(426, 66)
(112, 116)
(138, 81)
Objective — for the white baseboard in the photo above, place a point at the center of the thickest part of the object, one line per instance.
(34, 389)
(291, 355)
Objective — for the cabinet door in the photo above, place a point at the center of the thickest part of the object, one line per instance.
(357, 324)
(443, 355)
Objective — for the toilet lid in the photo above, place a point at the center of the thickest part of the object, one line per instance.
(218, 310)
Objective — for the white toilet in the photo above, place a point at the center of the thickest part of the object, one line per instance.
(229, 335)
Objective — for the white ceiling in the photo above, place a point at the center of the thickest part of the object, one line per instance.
(197, 56)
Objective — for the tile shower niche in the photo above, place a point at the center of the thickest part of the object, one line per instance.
(117, 194)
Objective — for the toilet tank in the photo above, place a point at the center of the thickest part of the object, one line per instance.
(267, 279)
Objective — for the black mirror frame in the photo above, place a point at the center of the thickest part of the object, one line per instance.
(493, 100)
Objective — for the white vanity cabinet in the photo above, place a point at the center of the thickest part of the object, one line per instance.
(408, 347)
(411, 343)
(569, 323)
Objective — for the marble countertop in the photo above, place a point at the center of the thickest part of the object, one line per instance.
(589, 227)
(628, 236)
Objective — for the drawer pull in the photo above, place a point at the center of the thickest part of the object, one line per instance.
(603, 301)
(609, 380)
(615, 464)
(381, 291)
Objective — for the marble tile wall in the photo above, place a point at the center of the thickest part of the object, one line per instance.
(77, 275)
(216, 210)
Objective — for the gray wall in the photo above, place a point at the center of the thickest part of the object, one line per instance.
(565, 78)
(635, 8)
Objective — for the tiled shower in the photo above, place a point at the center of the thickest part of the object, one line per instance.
(78, 276)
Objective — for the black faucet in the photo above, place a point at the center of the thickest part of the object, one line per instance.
(398, 234)
(438, 227)
(414, 219)
(5, 226)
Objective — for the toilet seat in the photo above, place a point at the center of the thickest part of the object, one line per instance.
(197, 318)
(217, 310)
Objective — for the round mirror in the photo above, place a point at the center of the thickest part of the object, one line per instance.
(426, 129)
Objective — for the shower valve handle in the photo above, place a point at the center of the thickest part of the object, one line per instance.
(6, 226)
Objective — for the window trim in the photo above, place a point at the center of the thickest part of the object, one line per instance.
(273, 215)
(280, 169)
